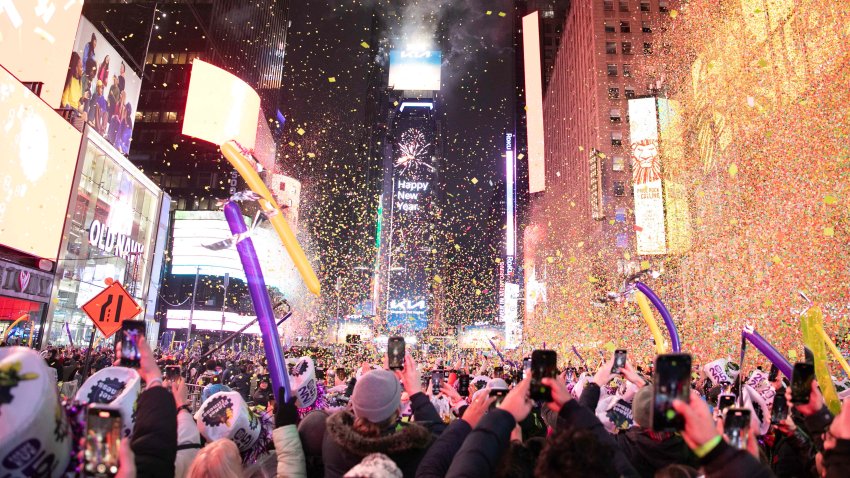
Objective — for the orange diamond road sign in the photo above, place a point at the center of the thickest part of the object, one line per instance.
(111, 307)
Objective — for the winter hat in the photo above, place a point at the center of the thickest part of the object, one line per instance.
(376, 396)
(497, 384)
(842, 386)
(118, 387)
(480, 381)
(212, 389)
(642, 407)
(226, 415)
(29, 406)
(376, 465)
(302, 378)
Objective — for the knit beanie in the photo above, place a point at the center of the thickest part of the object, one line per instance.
(376, 465)
(376, 396)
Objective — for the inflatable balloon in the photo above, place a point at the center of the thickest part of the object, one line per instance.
(660, 347)
(665, 314)
(9, 330)
(749, 333)
(813, 336)
(261, 300)
(234, 153)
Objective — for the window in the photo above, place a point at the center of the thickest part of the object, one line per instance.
(609, 28)
(663, 6)
(624, 6)
(612, 69)
(619, 188)
(620, 214)
(645, 27)
(625, 27)
(647, 48)
(627, 69)
(616, 138)
(149, 117)
(618, 163)
(630, 92)
(622, 240)
(627, 48)
(608, 5)
(548, 13)
(611, 47)
(615, 116)
(169, 117)
(644, 6)
(613, 93)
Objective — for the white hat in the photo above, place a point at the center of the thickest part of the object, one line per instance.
(36, 435)
(226, 415)
(302, 379)
(716, 371)
(118, 387)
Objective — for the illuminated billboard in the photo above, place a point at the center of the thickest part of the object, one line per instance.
(38, 158)
(513, 329)
(35, 39)
(220, 107)
(415, 70)
(100, 87)
(533, 102)
(479, 337)
(646, 177)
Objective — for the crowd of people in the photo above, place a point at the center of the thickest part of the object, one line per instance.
(377, 422)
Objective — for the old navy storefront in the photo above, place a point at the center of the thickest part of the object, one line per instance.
(115, 229)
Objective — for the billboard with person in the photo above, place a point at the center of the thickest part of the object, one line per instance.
(101, 88)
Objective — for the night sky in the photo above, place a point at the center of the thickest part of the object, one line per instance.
(325, 84)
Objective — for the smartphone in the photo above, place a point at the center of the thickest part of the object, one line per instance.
(780, 409)
(571, 374)
(436, 381)
(543, 364)
(774, 372)
(131, 332)
(500, 394)
(498, 372)
(671, 380)
(801, 382)
(463, 385)
(619, 360)
(172, 372)
(395, 353)
(526, 363)
(736, 426)
(725, 400)
(103, 439)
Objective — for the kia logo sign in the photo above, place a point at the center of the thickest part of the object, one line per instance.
(415, 54)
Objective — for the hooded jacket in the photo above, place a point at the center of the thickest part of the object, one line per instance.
(648, 452)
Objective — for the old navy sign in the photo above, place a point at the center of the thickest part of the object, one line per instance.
(103, 238)
(25, 283)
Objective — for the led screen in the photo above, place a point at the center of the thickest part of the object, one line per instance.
(533, 102)
(415, 70)
(38, 157)
(35, 40)
(220, 107)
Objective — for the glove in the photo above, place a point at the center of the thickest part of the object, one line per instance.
(286, 413)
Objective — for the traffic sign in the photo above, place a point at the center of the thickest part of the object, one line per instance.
(111, 307)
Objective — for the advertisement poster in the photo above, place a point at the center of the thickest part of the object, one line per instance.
(646, 178)
(415, 70)
(101, 87)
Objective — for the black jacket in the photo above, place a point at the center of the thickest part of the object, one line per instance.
(484, 447)
(726, 461)
(837, 460)
(436, 462)
(154, 440)
(573, 414)
(648, 452)
(791, 457)
(405, 443)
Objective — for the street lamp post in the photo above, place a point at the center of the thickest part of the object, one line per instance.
(224, 300)
(192, 309)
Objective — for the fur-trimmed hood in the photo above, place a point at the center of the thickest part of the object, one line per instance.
(406, 437)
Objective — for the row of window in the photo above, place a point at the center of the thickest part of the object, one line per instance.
(625, 27)
(614, 92)
(171, 58)
(608, 6)
(611, 48)
(157, 116)
(612, 69)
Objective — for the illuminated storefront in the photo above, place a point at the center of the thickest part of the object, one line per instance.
(111, 231)
(24, 293)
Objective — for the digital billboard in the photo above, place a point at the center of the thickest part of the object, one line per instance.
(533, 102)
(101, 88)
(220, 107)
(38, 158)
(646, 177)
(35, 39)
(513, 329)
(415, 70)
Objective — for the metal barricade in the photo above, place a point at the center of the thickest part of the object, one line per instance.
(195, 395)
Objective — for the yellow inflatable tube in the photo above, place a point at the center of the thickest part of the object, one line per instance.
(9, 330)
(813, 335)
(660, 348)
(246, 169)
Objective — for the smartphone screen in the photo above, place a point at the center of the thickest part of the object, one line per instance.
(780, 409)
(543, 364)
(103, 438)
(801, 382)
(526, 363)
(619, 361)
(736, 426)
(131, 332)
(172, 372)
(395, 353)
(498, 372)
(463, 385)
(725, 400)
(672, 380)
(436, 381)
(571, 374)
(774, 372)
(499, 394)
